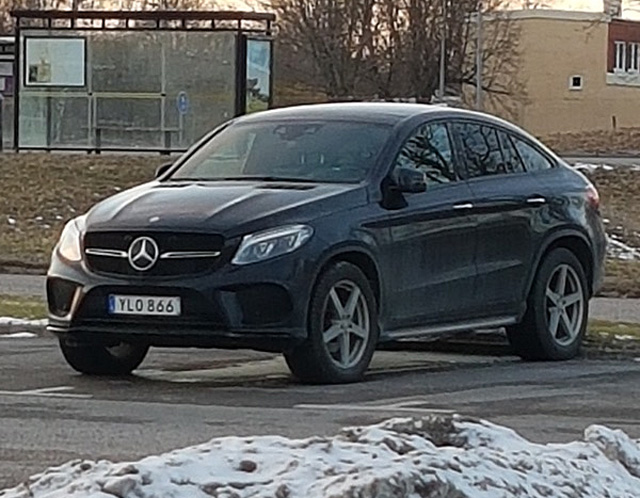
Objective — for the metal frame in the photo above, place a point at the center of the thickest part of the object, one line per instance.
(254, 25)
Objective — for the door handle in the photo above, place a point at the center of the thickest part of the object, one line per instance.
(536, 200)
(466, 205)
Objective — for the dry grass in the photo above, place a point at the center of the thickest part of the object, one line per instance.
(42, 191)
(623, 141)
(620, 198)
(19, 307)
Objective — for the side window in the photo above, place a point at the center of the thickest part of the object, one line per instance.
(533, 159)
(481, 149)
(429, 149)
(512, 160)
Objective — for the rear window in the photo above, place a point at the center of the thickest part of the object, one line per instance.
(533, 159)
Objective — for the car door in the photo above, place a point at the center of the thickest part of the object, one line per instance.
(432, 270)
(507, 200)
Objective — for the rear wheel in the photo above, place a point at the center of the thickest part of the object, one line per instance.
(556, 319)
(98, 359)
(342, 329)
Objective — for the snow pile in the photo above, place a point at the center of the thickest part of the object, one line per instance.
(590, 168)
(617, 249)
(412, 458)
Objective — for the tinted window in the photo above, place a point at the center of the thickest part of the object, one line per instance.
(533, 159)
(429, 149)
(512, 160)
(323, 151)
(481, 149)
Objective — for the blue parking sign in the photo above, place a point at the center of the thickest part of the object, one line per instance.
(182, 101)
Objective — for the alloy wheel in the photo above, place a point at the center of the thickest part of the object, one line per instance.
(565, 302)
(346, 324)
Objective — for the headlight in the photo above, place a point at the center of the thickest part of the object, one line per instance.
(271, 243)
(69, 245)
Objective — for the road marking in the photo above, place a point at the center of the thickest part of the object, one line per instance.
(377, 408)
(48, 392)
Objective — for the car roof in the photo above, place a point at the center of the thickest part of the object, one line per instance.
(390, 113)
(377, 112)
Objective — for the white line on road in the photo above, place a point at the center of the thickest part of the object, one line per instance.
(376, 408)
(49, 392)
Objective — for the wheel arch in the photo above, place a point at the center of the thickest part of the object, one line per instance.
(578, 244)
(360, 257)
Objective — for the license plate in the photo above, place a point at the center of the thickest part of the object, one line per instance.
(144, 305)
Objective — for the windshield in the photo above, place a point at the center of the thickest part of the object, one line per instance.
(318, 151)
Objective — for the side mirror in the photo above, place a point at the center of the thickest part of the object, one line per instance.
(162, 169)
(410, 180)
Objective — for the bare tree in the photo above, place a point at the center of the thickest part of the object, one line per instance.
(391, 48)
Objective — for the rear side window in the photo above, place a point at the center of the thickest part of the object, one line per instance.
(513, 162)
(429, 150)
(534, 160)
(480, 149)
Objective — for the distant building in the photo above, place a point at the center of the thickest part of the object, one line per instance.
(579, 71)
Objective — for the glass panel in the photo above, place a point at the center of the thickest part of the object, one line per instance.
(200, 82)
(258, 75)
(512, 159)
(126, 62)
(429, 149)
(481, 149)
(533, 159)
(143, 90)
(128, 122)
(69, 121)
(7, 122)
(33, 121)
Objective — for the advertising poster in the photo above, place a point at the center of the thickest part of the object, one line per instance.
(258, 75)
(55, 62)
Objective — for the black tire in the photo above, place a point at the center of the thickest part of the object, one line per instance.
(98, 359)
(533, 339)
(313, 361)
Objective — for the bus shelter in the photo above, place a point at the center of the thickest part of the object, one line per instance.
(136, 81)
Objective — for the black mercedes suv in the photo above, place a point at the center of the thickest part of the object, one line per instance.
(322, 231)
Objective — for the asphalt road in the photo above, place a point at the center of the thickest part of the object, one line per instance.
(49, 414)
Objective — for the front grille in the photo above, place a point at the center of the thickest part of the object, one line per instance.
(168, 242)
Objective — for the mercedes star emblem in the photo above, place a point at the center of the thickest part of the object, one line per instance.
(143, 253)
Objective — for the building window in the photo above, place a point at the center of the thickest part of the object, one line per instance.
(575, 82)
(634, 52)
(621, 57)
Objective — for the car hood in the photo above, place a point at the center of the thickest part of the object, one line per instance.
(229, 208)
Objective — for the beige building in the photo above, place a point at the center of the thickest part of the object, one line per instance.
(579, 71)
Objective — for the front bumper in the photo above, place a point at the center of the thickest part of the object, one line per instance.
(261, 306)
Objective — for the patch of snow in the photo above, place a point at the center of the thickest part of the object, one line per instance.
(400, 458)
(18, 335)
(619, 250)
(590, 168)
(625, 337)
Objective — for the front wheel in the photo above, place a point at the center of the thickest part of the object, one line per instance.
(557, 311)
(342, 329)
(98, 359)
